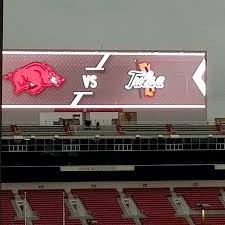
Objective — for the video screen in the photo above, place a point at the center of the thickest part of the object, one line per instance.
(70, 79)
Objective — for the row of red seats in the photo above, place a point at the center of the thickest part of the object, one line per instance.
(104, 206)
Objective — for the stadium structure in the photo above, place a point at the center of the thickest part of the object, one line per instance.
(110, 137)
(85, 165)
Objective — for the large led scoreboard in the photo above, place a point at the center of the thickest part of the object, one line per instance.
(104, 79)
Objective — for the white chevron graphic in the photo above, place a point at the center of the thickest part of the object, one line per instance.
(198, 77)
(79, 95)
(100, 64)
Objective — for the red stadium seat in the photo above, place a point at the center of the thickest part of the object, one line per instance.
(104, 207)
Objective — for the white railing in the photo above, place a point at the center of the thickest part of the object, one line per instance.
(105, 122)
(169, 122)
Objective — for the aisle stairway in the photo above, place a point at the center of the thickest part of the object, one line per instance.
(103, 205)
(156, 206)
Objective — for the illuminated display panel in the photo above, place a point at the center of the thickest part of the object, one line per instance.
(71, 79)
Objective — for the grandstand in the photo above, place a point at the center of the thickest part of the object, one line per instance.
(101, 156)
(113, 203)
(148, 129)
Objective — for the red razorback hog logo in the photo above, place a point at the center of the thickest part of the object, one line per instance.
(34, 78)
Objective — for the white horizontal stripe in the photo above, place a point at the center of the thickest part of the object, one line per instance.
(102, 53)
(104, 106)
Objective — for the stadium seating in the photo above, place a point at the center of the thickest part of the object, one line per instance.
(141, 129)
(35, 130)
(145, 129)
(194, 196)
(212, 220)
(162, 129)
(104, 207)
(195, 129)
(210, 196)
(7, 212)
(47, 204)
(60, 130)
(156, 206)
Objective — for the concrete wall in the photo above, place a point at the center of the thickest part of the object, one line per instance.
(20, 117)
(185, 116)
(125, 24)
(48, 118)
(104, 118)
(118, 185)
